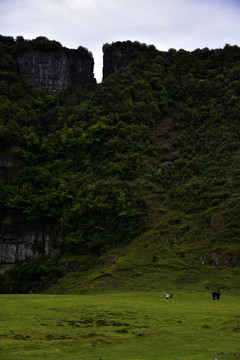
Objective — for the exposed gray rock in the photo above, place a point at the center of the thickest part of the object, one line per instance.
(28, 246)
(8, 162)
(119, 54)
(113, 61)
(56, 70)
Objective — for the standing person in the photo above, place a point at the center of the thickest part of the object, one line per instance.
(167, 295)
(218, 294)
(214, 295)
(170, 296)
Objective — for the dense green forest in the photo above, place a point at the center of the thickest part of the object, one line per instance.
(151, 154)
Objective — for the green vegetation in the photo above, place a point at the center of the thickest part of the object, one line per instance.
(148, 162)
(133, 325)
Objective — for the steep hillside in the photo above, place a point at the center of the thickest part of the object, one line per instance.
(138, 174)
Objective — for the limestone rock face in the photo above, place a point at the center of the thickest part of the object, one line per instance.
(114, 60)
(28, 246)
(119, 54)
(9, 163)
(56, 70)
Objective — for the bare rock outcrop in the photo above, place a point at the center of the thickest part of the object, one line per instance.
(9, 163)
(56, 70)
(25, 247)
(119, 54)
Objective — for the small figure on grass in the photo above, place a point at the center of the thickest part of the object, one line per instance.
(218, 295)
(167, 295)
(170, 296)
(214, 295)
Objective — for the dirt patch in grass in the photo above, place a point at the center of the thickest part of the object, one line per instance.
(77, 323)
(21, 337)
(102, 322)
(206, 327)
(122, 331)
(51, 337)
(236, 329)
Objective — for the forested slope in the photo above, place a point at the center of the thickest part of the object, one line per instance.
(149, 156)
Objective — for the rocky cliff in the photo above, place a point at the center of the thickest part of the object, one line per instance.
(27, 246)
(113, 59)
(119, 54)
(9, 163)
(56, 70)
(45, 64)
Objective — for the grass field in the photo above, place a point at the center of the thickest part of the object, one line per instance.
(122, 325)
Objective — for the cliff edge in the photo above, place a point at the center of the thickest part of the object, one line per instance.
(121, 53)
(47, 64)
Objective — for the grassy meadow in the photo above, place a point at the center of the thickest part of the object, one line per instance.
(120, 325)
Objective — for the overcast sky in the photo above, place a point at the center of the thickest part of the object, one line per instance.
(186, 24)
